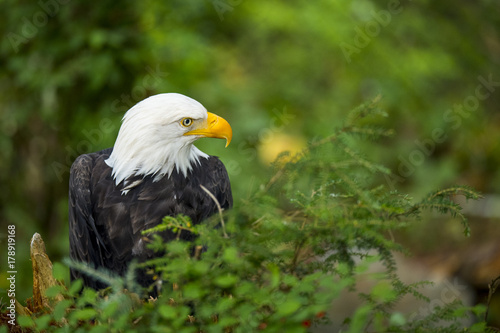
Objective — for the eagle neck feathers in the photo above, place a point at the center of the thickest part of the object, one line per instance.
(152, 160)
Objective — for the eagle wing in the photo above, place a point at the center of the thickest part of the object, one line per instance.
(86, 244)
(218, 183)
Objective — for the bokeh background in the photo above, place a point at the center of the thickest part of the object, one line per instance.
(282, 73)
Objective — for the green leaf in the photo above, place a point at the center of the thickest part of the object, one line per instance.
(60, 309)
(223, 305)
(75, 287)
(275, 275)
(42, 322)
(479, 309)
(59, 271)
(226, 281)
(290, 280)
(54, 291)
(359, 319)
(226, 321)
(289, 307)
(478, 328)
(200, 267)
(167, 312)
(101, 329)
(193, 290)
(88, 296)
(230, 255)
(83, 314)
(25, 321)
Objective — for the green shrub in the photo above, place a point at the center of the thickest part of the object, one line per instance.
(277, 260)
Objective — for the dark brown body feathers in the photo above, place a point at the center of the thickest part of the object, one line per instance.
(105, 225)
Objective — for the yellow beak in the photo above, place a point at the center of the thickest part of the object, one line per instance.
(215, 127)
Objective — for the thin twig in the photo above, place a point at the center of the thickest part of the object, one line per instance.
(492, 288)
(197, 251)
(298, 247)
(218, 207)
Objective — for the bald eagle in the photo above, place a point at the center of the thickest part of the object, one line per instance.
(153, 171)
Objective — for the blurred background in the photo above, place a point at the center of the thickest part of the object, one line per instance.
(282, 73)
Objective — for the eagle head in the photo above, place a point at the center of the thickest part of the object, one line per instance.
(157, 136)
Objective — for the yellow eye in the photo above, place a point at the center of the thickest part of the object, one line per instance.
(186, 122)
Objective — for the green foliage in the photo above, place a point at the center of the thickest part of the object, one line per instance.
(284, 255)
(66, 86)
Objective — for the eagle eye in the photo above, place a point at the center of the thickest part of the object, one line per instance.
(186, 122)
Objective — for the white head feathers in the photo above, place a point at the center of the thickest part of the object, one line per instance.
(151, 140)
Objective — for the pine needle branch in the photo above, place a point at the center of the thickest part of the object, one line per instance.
(100, 274)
